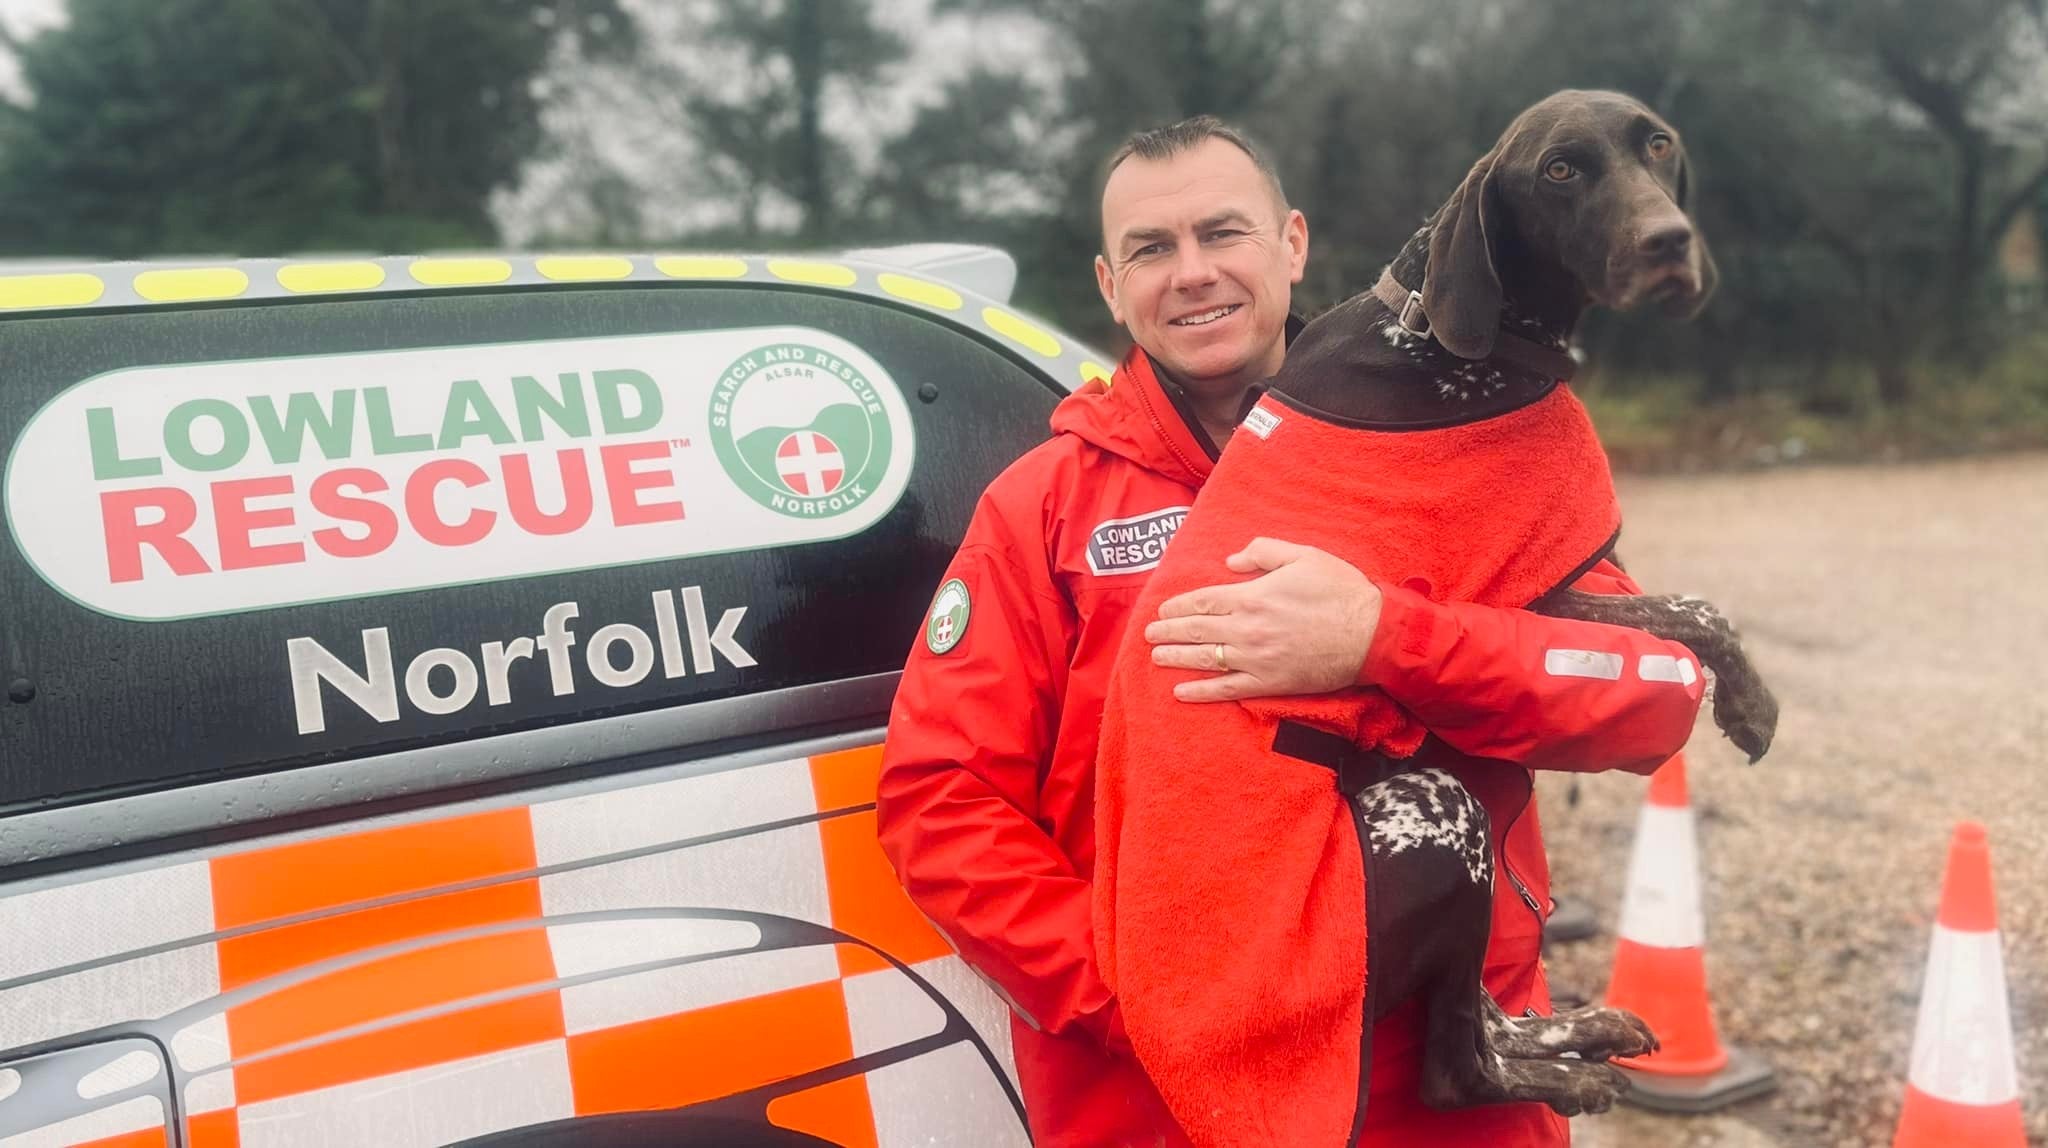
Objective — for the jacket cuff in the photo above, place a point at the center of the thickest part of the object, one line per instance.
(1413, 635)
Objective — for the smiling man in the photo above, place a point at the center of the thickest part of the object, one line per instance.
(986, 800)
(1200, 254)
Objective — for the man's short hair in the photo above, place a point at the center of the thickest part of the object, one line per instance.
(1173, 139)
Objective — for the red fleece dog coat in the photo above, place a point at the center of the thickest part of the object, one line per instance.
(1229, 881)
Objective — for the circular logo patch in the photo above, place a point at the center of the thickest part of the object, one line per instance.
(800, 430)
(948, 621)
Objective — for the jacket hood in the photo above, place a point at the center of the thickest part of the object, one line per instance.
(1132, 416)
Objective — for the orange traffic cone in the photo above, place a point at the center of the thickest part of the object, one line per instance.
(1963, 1087)
(1660, 970)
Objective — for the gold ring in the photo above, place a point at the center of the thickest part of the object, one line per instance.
(1218, 654)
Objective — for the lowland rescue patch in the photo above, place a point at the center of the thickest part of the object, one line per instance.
(218, 487)
(1131, 545)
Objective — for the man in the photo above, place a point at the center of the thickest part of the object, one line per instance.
(987, 790)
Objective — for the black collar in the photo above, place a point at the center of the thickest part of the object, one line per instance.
(1406, 304)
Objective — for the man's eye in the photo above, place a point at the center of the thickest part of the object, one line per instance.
(1149, 250)
(1224, 233)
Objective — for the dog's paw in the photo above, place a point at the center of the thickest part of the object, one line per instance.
(1634, 1037)
(1587, 1090)
(1593, 1034)
(1749, 716)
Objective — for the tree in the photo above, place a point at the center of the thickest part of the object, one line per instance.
(760, 111)
(1971, 80)
(266, 125)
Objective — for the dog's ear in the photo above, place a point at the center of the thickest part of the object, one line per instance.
(1710, 275)
(1461, 294)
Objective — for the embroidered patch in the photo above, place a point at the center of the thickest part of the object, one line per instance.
(1130, 545)
(947, 623)
(1261, 422)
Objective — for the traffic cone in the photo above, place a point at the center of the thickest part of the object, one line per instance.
(1963, 1087)
(1660, 970)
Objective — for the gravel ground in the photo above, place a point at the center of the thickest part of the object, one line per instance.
(1901, 615)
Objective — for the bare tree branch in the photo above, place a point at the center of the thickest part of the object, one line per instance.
(1943, 105)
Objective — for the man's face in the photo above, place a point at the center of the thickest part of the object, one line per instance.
(1201, 263)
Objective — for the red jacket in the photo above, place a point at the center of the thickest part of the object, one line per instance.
(986, 800)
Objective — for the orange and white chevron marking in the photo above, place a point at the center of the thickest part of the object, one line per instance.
(647, 947)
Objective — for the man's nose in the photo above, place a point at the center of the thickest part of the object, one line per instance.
(1192, 268)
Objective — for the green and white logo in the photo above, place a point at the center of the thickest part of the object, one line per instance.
(800, 430)
(948, 621)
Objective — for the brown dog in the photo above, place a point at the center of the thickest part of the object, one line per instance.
(1582, 202)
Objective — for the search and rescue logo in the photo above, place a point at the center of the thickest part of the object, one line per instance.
(947, 623)
(800, 430)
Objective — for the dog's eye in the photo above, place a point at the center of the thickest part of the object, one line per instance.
(1559, 170)
(1660, 146)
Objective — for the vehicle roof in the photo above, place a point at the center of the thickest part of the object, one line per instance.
(968, 285)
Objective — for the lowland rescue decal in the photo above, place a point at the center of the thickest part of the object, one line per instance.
(167, 492)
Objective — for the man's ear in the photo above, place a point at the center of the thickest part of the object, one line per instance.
(1294, 233)
(1461, 293)
(1105, 282)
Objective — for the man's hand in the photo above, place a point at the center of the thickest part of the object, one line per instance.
(1302, 627)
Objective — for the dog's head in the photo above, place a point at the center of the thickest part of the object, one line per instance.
(1592, 184)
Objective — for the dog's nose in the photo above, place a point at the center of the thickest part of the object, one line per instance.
(1667, 241)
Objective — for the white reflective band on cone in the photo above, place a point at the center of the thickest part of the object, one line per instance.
(1662, 905)
(1962, 1045)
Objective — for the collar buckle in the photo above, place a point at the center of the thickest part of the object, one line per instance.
(1411, 318)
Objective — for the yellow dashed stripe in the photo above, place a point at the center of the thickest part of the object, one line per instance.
(184, 286)
(1020, 332)
(701, 266)
(460, 272)
(320, 277)
(580, 267)
(919, 291)
(817, 274)
(188, 284)
(19, 292)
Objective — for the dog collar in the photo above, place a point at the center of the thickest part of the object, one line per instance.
(1507, 346)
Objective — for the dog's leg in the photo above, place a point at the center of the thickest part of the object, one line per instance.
(1431, 911)
(1743, 705)
(1464, 1064)
(1591, 1033)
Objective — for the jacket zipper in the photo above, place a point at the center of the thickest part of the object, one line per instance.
(1166, 439)
(1515, 878)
